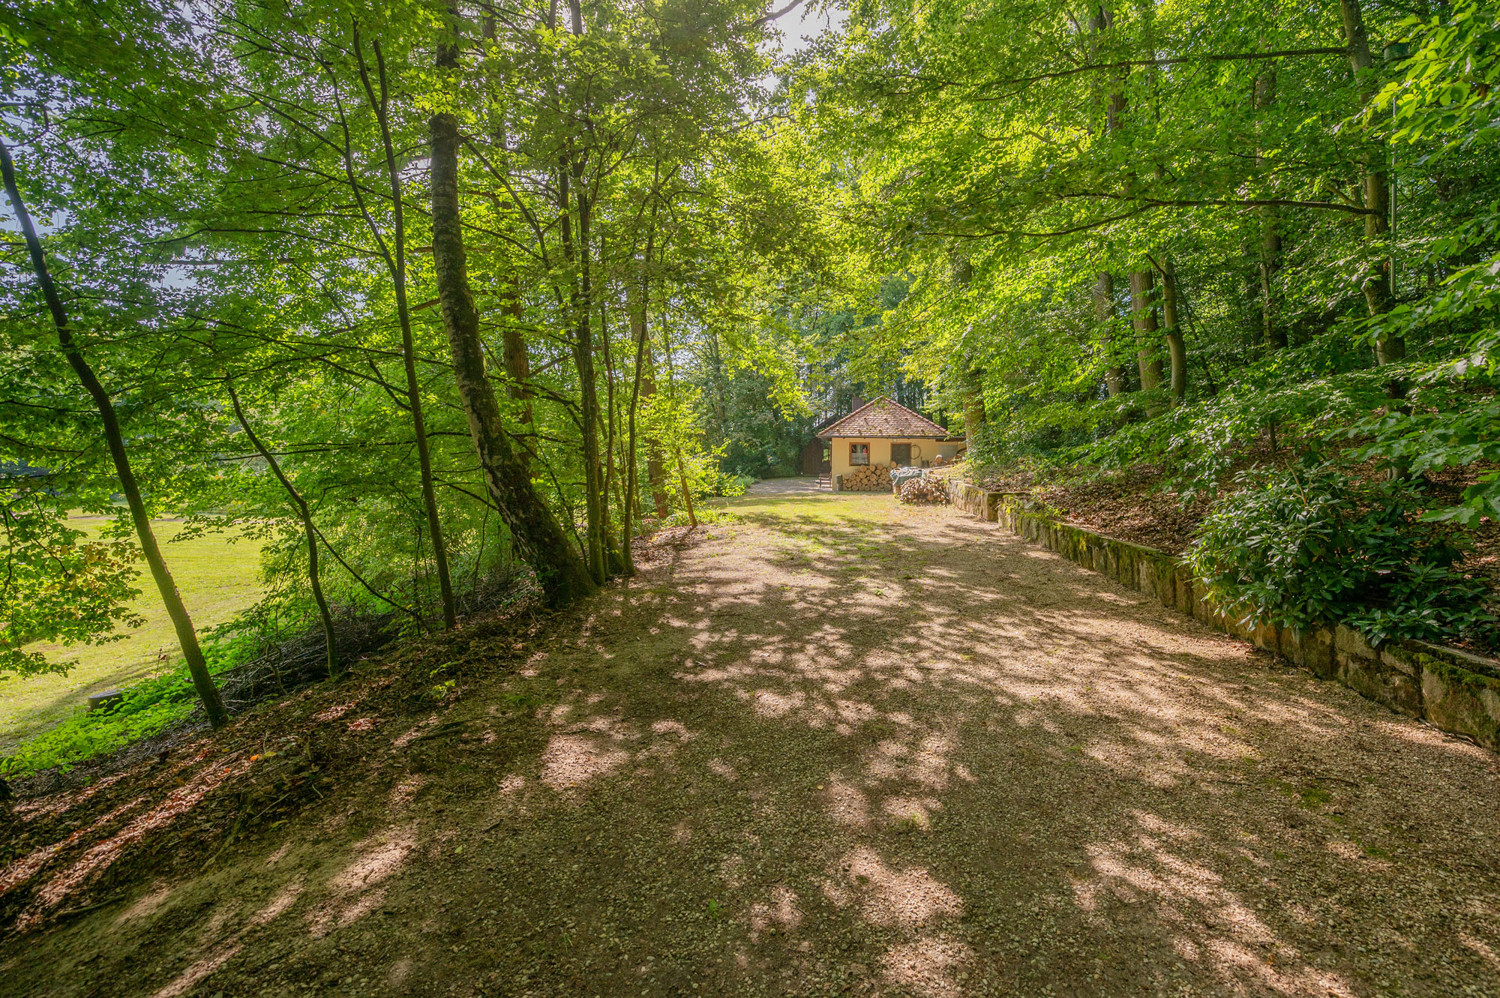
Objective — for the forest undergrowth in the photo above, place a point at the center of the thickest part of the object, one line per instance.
(1151, 506)
(288, 748)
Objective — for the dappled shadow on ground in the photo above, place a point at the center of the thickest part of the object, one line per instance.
(845, 747)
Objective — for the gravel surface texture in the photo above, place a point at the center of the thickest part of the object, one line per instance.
(839, 746)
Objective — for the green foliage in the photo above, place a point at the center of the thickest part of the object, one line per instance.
(146, 709)
(707, 515)
(1198, 444)
(720, 484)
(58, 585)
(1459, 434)
(1315, 545)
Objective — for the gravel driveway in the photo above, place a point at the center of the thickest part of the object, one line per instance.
(843, 747)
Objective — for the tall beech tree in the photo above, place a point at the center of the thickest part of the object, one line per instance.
(393, 252)
(562, 574)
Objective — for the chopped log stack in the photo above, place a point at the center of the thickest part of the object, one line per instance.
(869, 478)
(924, 492)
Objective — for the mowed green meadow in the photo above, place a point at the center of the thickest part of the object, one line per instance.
(218, 576)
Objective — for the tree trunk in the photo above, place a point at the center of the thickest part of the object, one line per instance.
(574, 170)
(637, 299)
(1377, 281)
(1104, 313)
(517, 360)
(1115, 382)
(656, 469)
(187, 637)
(1272, 330)
(1114, 102)
(330, 639)
(560, 572)
(512, 341)
(970, 377)
(656, 455)
(628, 502)
(973, 400)
(593, 478)
(687, 491)
(611, 489)
(1176, 349)
(583, 359)
(1270, 262)
(1143, 318)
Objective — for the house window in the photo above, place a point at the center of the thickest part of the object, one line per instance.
(901, 455)
(859, 454)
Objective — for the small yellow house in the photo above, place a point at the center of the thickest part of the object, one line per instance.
(885, 433)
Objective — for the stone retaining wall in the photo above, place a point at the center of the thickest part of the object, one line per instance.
(1451, 689)
(972, 499)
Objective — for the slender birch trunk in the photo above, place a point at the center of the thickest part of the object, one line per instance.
(182, 623)
(310, 532)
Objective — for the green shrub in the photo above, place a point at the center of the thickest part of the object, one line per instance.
(705, 515)
(146, 709)
(723, 484)
(1299, 547)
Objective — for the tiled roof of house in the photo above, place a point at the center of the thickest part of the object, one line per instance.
(884, 418)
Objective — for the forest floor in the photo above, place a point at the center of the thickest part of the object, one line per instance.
(834, 746)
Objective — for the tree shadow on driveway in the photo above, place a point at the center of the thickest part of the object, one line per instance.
(841, 746)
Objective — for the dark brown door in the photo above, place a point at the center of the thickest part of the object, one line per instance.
(901, 455)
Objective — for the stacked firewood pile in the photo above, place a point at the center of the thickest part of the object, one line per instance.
(870, 478)
(925, 492)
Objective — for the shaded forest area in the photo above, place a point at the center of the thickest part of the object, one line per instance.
(445, 300)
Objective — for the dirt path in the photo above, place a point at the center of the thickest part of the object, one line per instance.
(801, 485)
(846, 748)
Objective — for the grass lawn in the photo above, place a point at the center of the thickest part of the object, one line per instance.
(218, 576)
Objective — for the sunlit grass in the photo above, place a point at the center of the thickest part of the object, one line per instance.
(842, 508)
(218, 577)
